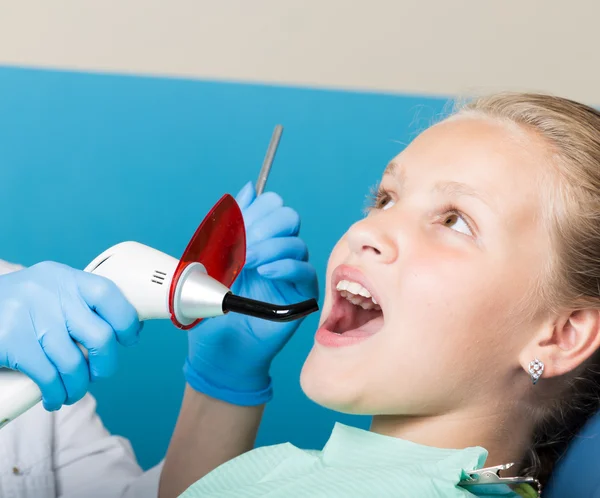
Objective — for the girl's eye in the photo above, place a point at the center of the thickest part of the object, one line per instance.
(456, 222)
(381, 200)
(387, 203)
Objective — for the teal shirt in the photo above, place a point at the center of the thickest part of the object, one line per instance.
(353, 463)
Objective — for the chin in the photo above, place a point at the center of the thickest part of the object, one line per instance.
(321, 386)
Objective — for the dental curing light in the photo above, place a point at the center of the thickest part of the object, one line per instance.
(197, 285)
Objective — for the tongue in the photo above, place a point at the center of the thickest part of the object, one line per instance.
(354, 321)
(369, 328)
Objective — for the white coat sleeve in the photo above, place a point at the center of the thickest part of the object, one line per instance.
(92, 463)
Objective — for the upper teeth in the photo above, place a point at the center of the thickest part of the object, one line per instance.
(354, 288)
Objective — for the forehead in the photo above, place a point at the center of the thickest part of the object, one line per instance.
(506, 164)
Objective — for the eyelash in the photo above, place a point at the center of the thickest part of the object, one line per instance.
(376, 195)
(380, 194)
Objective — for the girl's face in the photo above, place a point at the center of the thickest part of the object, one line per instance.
(452, 254)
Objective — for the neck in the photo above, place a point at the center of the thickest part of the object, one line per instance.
(503, 432)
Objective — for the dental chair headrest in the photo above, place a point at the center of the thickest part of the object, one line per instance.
(577, 473)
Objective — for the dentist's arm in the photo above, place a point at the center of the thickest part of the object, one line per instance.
(209, 432)
(227, 369)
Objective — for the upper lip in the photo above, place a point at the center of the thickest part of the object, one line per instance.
(352, 274)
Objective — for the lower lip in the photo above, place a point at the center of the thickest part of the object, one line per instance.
(332, 340)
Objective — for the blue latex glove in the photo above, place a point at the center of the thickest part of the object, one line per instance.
(43, 309)
(230, 356)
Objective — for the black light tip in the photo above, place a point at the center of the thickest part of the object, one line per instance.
(268, 311)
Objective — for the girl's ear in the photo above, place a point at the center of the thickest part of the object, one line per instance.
(566, 343)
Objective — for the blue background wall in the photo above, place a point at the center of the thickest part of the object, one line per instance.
(91, 160)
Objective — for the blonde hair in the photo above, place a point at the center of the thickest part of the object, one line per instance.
(571, 132)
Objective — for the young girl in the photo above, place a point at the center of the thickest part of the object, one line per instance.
(462, 312)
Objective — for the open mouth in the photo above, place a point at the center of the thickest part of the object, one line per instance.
(355, 312)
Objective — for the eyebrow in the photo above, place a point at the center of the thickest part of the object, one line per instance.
(460, 189)
(457, 189)
(394, 169)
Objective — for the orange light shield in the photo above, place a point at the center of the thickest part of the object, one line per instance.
(219, 244)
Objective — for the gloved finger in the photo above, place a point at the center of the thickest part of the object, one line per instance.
(246, 195)
(300, 273)
(95, 335)
(261, 207)
(267, 251)
(41, 370)
(66, 357)
(106, 299)
(283, 222)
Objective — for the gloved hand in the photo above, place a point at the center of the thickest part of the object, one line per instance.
(44, 309)
(230, 356)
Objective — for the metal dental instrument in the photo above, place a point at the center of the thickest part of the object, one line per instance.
(268, 161)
